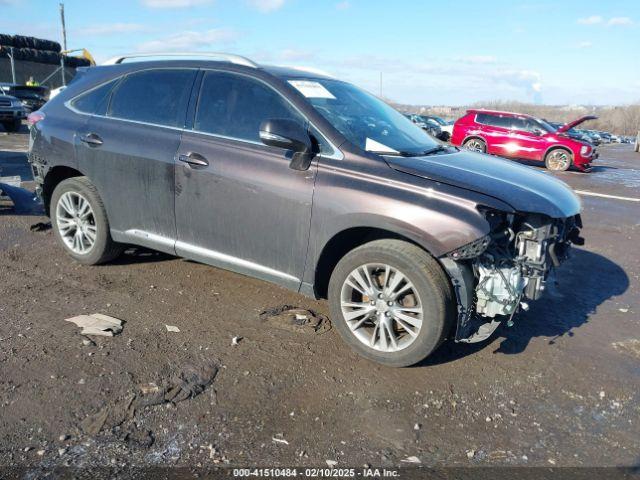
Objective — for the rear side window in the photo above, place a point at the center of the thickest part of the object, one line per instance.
(153, 96)
(494, 120)
(234, 106)
(95, 101)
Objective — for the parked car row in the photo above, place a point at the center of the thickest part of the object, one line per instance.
(32, 97)
(434, 126)
(11, 113)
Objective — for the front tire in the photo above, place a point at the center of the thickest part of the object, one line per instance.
(80, 223)
(391, 302)
(558, 160)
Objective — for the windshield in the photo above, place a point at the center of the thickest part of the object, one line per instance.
(545, 126)
(363, 119)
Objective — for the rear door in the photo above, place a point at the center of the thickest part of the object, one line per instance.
(242, 208)
(495, 130)
(128, 153)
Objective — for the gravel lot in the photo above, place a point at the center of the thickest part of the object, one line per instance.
(559, 388)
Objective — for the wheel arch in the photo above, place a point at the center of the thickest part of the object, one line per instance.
(558, 147)
(346, 240)
(52, 179)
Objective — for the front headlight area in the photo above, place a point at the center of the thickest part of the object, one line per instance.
(512, 262)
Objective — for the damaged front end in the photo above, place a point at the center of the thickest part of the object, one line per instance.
(494, 276)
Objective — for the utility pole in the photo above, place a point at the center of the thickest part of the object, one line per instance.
(64, 44)
(13, 65)
(64, 29)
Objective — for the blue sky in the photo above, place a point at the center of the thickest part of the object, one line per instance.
(429, 52)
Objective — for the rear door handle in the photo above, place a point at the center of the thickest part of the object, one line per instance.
(91, 139)
(194, 159)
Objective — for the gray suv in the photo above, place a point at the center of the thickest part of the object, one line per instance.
(306, 181)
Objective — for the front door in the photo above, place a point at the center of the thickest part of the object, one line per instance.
(238, 204)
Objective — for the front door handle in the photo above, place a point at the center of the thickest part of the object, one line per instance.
(91, 139)
(194, 159)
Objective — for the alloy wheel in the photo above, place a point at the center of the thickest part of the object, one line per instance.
(381, 307)
(76, 222)
(558, 160)
(475, 146)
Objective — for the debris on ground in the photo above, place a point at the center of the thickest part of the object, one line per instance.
(97, 324)
(40, 227)
(631, 346)
(278, 439)
(296, 319)
(24, 201)
(235, 340)
(187, 383)
(331, 463)
(171, 328)
(412, 459)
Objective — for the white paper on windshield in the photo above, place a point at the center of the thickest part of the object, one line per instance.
(311, 89)
(373, 146)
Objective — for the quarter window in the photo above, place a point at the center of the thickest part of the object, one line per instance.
(94, 101)
(235, 106)
(153, 96)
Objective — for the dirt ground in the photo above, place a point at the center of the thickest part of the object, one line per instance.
(560, 388)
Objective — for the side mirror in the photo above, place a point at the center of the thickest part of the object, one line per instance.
(290, 135)
(537, 131)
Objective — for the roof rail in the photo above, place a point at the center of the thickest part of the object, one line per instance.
(227, 57)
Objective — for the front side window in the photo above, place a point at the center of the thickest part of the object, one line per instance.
(159, 97)
(94, 101)
(363, 119)
(234, 106)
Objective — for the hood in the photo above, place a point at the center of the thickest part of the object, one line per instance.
(523, 188)
(575, 123)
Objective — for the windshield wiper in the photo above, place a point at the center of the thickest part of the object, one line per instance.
(402, 153)
(434, 150)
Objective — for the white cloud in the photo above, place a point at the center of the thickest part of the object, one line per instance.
(343, 5)
(292, 54)
(188, 41)
(266, 6)
(109, 28)
(592, 20)
(479, 59)
(619, 21)
(585, 45)
(174, 3)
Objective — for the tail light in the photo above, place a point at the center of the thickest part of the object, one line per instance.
(35, 117)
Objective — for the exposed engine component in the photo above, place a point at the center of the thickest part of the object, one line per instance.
(499, 290)
(515, 265)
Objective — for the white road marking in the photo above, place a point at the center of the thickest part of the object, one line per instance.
(604, 195)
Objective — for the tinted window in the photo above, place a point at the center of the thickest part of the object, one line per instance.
(95, 101)
(493, 120)
(235, 106)
(153, 96)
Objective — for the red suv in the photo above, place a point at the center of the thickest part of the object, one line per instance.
(515, 135)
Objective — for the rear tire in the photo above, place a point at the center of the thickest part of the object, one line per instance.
(558, 160)
(409, 325)
(80, 222)
(475, 145)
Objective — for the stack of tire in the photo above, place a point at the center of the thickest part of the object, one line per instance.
(37, 50)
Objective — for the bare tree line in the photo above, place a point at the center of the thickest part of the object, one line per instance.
(620, 120)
